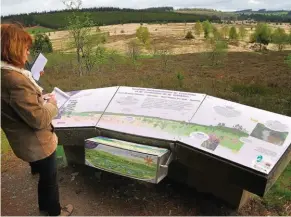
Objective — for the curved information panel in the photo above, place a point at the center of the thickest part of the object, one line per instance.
(247, 136)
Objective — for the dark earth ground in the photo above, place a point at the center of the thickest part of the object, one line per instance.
(100, 193)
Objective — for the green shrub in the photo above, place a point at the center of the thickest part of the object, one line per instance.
(143, 34)
(189, 35)
(42, 43)
(180, 77)
(262, 35)
(280, 38)
(233, 34)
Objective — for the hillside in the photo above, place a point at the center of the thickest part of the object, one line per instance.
(264, 11)
(109, 16)
(209, 12)
(280, 16)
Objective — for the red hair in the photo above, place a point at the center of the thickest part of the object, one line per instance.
(14, 42)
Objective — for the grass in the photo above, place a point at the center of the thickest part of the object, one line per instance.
(280, 193)
(5, 147)
(250, 89)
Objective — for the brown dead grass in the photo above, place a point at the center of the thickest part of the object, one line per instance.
(170, 35)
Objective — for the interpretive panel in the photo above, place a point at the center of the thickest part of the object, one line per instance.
(84, 108)
(150, 112)
(125, 158)
(245, 135)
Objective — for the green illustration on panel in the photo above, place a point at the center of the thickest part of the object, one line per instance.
(228, 137)
(220, 134)
(141, 167)
(81, 114)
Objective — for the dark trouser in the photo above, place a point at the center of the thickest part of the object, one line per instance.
(48, 190)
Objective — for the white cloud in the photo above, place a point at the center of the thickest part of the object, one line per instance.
(254, 2)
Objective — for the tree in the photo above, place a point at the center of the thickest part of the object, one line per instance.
(216, 34)
(225, 31)
(42, 44)
(87, 43)
(218, 50)
(79, 28)
(207, 28)
(143, 34)
(164, 52)
(189, 35)
(198, 28)
(93, 53)
(133, 50)
(242, 32)
(280, 38)
(233, 34)
(262, 35)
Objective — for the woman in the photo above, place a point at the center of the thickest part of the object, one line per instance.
(26, 118)
(28, 65)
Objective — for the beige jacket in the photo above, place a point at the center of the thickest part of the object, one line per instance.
(25, 118)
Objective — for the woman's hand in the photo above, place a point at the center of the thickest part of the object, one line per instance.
(52, 99)
(41, 73)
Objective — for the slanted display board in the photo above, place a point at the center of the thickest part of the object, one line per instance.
(152, 113)
(245, 135)
(128, 159)
(84, 108)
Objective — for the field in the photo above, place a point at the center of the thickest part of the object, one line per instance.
(258, 79)
(38, 29)
(171, 36)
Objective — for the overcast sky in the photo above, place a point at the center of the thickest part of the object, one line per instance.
(26, 6)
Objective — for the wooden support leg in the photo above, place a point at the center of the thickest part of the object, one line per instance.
(75, 154)
(206, 183)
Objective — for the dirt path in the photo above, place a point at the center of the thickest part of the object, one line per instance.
(95, 193)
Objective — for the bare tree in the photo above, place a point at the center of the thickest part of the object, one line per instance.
(133, 50)
(164, 52)
(79, 26)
